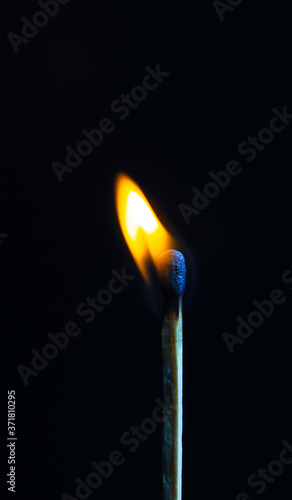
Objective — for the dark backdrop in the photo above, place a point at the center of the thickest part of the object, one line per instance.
(61, 240)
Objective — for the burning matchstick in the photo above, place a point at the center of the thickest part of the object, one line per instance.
(172, 274)
(148, 240)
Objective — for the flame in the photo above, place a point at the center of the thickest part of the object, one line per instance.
(145, 235)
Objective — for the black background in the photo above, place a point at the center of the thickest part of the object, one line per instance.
(64, 240)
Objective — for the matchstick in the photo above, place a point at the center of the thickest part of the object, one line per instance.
(172, 273)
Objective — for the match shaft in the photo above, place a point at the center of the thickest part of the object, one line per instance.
(172, 353)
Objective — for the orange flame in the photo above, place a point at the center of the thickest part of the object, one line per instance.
(145, 235)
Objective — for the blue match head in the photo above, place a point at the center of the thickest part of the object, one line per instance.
(172, 272)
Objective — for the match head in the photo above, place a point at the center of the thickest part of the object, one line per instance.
(172, 272)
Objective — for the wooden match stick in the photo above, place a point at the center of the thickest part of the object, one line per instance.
(172, 273)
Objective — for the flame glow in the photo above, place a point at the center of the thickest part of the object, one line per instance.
(145, 235)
